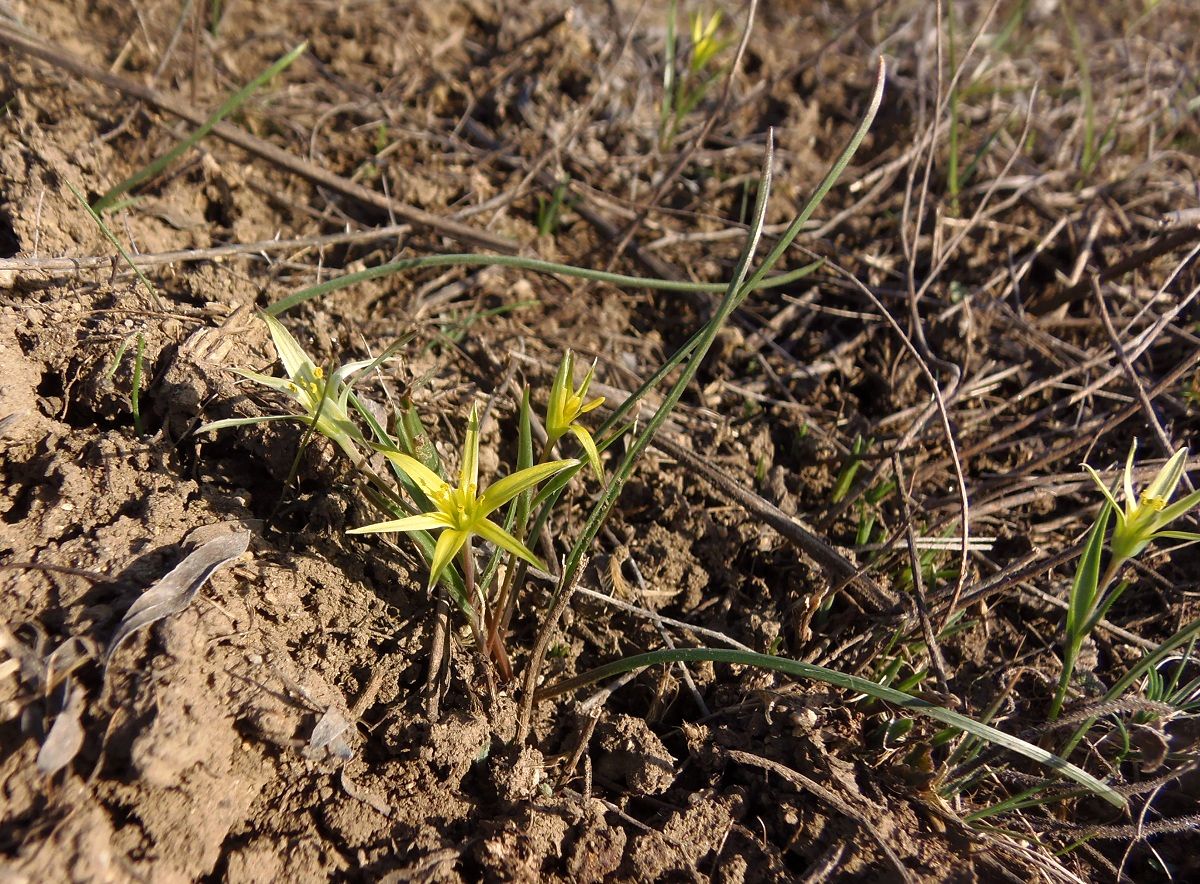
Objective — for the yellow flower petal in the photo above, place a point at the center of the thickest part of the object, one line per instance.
(448, 545)
(560, 392)
(589, 446)
(423, 522)
(427, 480)
(500, 493)
(490, 531)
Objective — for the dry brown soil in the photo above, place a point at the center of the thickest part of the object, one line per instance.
(205, 750)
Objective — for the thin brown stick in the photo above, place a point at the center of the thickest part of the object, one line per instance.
(1168, 243)
(839, 568)
(1134, 381)
(174, 104)
(835, 801)
(936, 661)
(183, 256)
(437, 677)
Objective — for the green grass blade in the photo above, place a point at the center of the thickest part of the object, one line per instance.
(634, 451)
(737, 290)
(831, 177)
(1150, 661)
(111, 371)
(1081, 605)
(853, 683)
(135, 392)
(1086, 584)
(953, 182)
(531, 264)
(247, 422)
(111, 237)
(516, 519)
(666, 112)
(231, 104)
(984, 149)
(1087, 160)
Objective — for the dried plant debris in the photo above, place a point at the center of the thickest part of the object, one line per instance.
(66, 734)
(328, 736)
(175, 591)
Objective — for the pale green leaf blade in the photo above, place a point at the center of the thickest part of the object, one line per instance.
(1168, 477)
(1103, 488)
(558, 398)
(246, 422)
(351, 368)
(1130, 497)
(1179, 508)
(469, 472)
(291, 354)
(1189, 536)
(1087, 576)
(283, 385)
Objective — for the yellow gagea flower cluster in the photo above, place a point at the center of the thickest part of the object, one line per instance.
(461, 511)
(457, 511)
(1145, 516)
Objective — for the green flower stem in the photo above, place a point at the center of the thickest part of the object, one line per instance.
(485, 650)
(506, 602)
(1074, 641)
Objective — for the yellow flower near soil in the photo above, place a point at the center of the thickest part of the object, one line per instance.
(461, 511)
(704, 39)
(567, 405)
(327, 400)
(1145, 515)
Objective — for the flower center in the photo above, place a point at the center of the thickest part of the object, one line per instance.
(459, 504)
(1157, 504)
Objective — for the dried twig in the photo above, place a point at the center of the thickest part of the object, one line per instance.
(175, 104)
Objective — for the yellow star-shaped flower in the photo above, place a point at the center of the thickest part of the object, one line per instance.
(1145, 516)
(326, 399)
(567, 404)
(461, 511)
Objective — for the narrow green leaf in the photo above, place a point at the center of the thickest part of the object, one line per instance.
(227, 107)
(1087, 576)
(1121, 685)
(531, 264)
(291, 354)
(248, 421)
(853, 683)
(116, 243)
